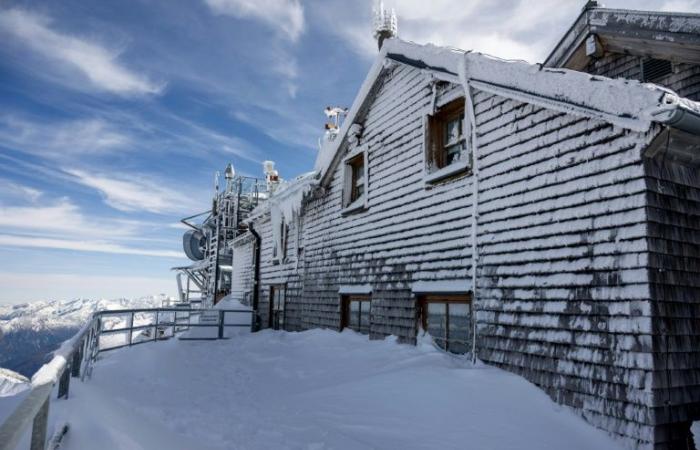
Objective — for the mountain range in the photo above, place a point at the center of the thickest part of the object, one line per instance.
(30, 332)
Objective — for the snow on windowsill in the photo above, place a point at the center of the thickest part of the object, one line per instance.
(442, 287)
(452, 169)
(357, 206)
(357, 289)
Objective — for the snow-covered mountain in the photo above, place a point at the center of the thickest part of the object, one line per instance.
(12, 383)
(29, 332)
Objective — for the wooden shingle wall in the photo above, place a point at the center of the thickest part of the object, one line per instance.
(564, 296)
(674, 261)
(408, 232)
(685, 80)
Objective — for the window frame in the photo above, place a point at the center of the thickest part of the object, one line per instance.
(423, 302)
(435, 150)
(345, 301)
(352, 203)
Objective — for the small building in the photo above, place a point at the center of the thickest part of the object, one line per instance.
(540, 218)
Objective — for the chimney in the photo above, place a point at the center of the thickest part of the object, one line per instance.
(385, 24)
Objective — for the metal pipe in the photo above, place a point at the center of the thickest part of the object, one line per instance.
(470, 125)
(256, 278)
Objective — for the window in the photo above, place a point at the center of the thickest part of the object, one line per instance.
(278, 301)
(446, 140)
(355, 180)
(356, 313)
(447, 318)
(357, 183)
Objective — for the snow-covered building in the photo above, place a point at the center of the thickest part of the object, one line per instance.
(543, 219)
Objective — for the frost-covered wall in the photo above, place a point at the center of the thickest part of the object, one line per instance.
(408, 233)
(286, 272)
(242, 272)
(564, 293)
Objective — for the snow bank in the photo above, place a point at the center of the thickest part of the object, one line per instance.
(317, 389)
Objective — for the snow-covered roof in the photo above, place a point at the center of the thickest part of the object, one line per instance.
(670, 35)
(625, 103)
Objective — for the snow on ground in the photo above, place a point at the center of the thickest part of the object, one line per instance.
(317, 389)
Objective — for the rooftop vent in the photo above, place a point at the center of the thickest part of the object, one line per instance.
(655, 69)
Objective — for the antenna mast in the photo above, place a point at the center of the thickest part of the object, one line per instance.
(384, 24)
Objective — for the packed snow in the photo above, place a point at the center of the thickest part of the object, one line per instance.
(317, 389)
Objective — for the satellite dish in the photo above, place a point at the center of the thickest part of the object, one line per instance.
(193, 243)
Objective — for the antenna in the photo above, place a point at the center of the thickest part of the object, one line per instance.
(229, 174)
(385, 24)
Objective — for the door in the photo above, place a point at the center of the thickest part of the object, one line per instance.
(277, 306)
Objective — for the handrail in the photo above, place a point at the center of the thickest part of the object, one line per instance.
(74, 358)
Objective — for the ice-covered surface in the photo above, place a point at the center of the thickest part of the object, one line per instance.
(284, 204)
(317, 389)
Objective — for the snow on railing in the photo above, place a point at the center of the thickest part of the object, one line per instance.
(75, 357)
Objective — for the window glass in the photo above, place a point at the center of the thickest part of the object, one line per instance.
(458, 334)
(437, 322)
(357, 313)
(364, 317)
(354, 319)
(453, 131)
(358, 178)
(448, 321)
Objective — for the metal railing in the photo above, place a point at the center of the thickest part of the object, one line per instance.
(75, 358)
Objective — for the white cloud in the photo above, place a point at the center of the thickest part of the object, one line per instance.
(11, 240)
(132, 193)
(513, 29)
(60, 139)
(60, 224)
(22, 287)
(62, 217)
(285, 15)
(96, 63)
(10, 190)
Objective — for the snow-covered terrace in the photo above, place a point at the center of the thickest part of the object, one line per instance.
(316, 389)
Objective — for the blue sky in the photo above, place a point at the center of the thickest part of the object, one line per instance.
(114, 115)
